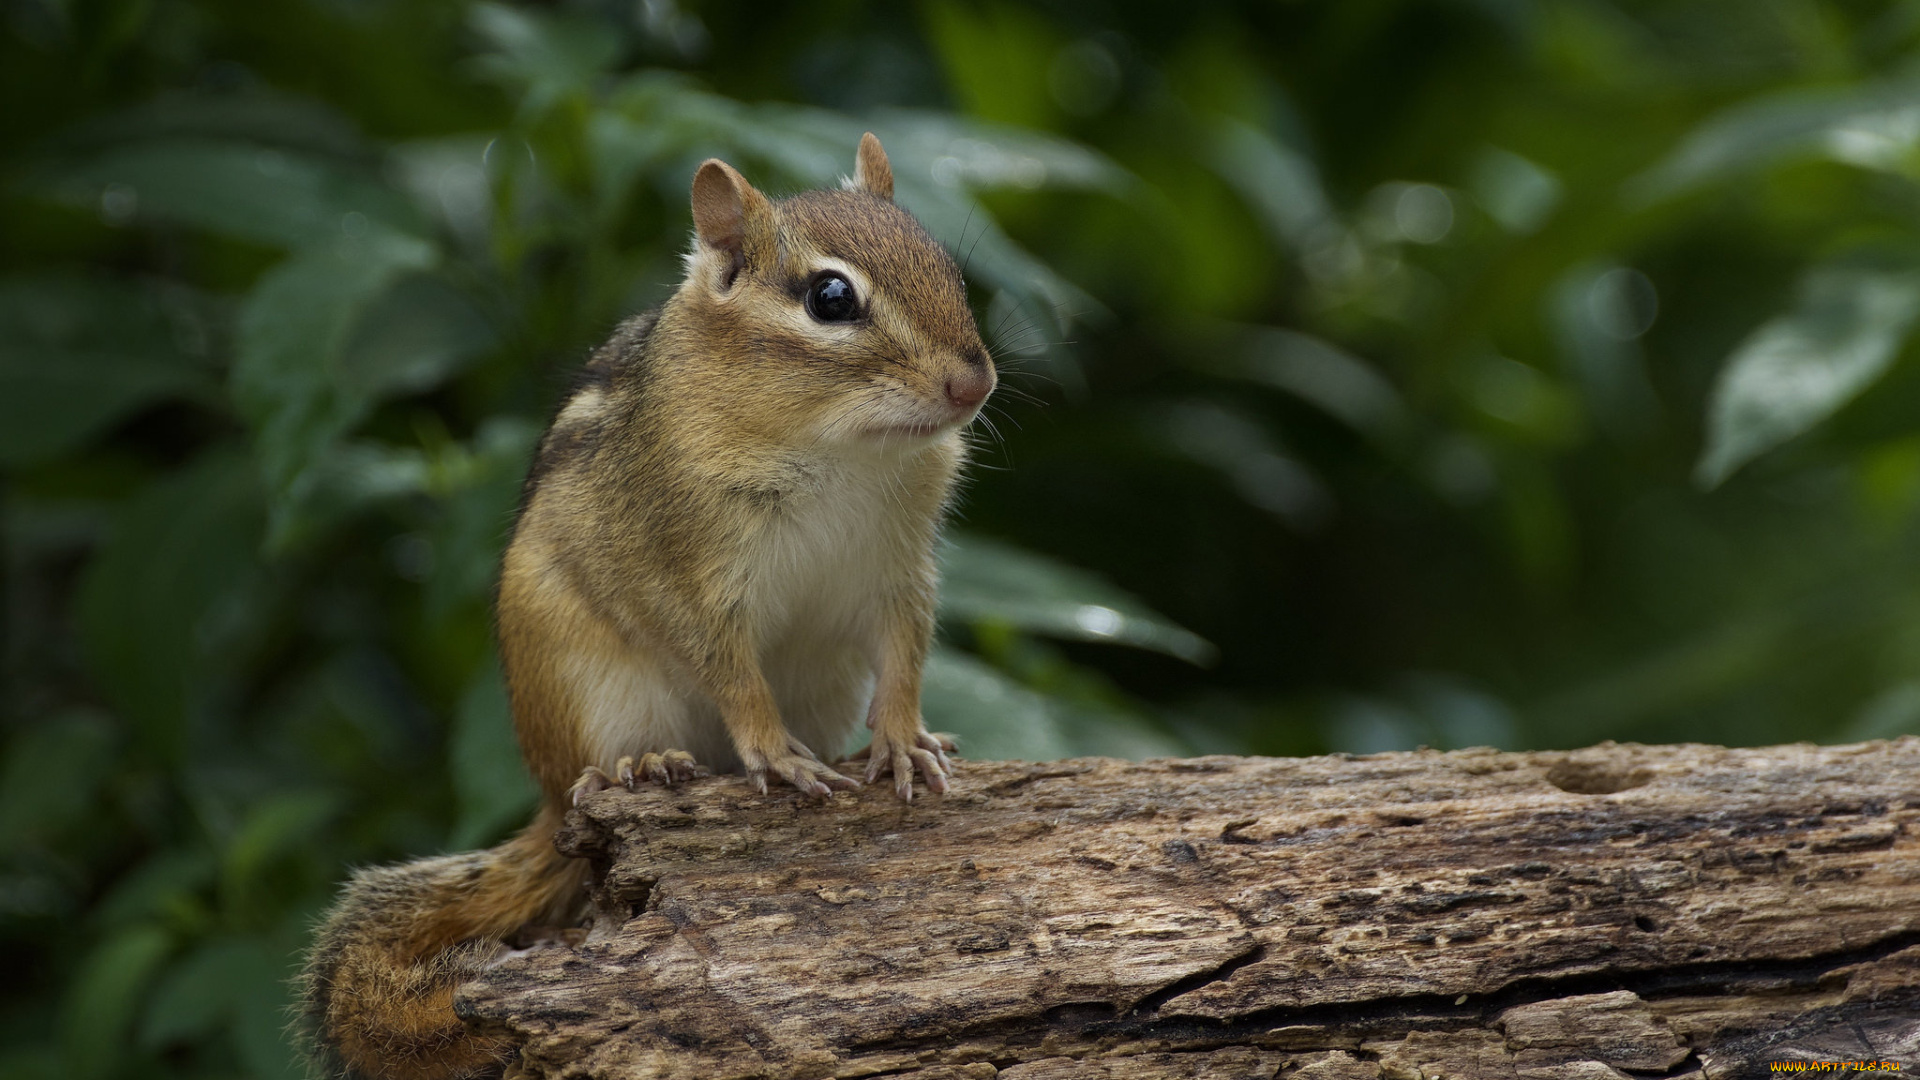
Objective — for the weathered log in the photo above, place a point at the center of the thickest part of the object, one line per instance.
(1617, 911)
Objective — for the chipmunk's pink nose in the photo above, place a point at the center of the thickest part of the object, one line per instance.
(969, 390)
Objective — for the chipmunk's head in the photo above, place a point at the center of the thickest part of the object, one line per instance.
(834, 311)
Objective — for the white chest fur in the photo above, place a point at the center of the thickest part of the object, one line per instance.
(822, 563)
(815, 578)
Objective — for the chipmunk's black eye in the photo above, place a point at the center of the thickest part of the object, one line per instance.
(831, 299)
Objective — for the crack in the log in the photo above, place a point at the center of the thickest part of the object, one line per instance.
(1718, 976)
(1220, 972)
(1394, 1018)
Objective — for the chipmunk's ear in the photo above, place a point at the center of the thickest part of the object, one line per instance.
(871, 173)
(730, 215)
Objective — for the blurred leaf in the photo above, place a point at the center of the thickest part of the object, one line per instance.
(996, 58)
(1516, 192)
(274, 827)
(413, 337)
(1339, 383)
(950, 150)
(1090, 732)
(1875, 125)
(52, 775)
(178, 550)
(196, 996)
(1090, 713)
(985, 581)
(77, 354)
(1250, 458)
(348, 475)
(162, 889)
(259, 193)
(50, 402)
(480, 491)
(991, 716)
(259, 115)
(1281, 183)
(28, 1062)
(489, 780)
(624, 148)
(1889, 481)
(1541, 530)
(1603, 46)
(1526, 401)
(260, 1020)
(668, 114)
(1440, 711)
(227, 984)
(1662, 682)
(1367, 725)
(1599, 312)
(448, 179)
(548, 54)
(292, 377)
(476, 486)
(105, 997)
(1892, 713)
(1795, 371)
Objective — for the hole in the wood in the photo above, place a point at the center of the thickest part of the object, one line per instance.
(1597, 777)
(639, 899)
(1645, 923)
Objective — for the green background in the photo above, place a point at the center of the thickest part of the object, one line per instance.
(1378, 373)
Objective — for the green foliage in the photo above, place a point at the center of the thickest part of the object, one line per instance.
(988, 585)
(78, 354)
(1376, 375)
(1800, 368)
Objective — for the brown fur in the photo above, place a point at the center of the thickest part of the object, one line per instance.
(725, 544)
(378, 985)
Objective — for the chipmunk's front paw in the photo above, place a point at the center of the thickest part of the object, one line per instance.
(919, 751)
(664, 769)
(797, 766)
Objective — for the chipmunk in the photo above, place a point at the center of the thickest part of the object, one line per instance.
(724, 558)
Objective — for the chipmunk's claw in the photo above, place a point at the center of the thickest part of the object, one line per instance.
(925, 754)
(591, 781)
(666, 769)
(797, 766)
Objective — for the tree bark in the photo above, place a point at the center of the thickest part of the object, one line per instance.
(1624, 910)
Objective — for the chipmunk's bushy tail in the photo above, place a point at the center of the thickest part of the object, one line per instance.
(377, 991)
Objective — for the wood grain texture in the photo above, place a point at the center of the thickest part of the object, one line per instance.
(1616, 911)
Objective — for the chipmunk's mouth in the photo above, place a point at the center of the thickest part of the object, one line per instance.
(922, 430)
(916, 424)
